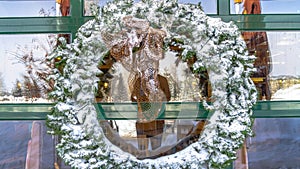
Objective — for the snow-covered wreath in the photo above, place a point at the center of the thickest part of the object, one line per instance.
(219, 49)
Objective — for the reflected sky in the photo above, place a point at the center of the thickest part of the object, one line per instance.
(209, 6)
(285, 53)
(276, 6)
(280, 6)
(11, 69)
(20, 8)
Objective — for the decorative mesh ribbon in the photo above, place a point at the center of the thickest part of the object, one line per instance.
(139, 48)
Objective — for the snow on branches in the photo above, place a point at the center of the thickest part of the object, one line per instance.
(218, 48)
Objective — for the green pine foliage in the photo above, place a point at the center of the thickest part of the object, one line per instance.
(218, 49)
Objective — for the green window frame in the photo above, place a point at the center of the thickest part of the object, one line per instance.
(59, 24)
(70, 24)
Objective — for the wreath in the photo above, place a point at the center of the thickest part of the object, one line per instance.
(219, 49)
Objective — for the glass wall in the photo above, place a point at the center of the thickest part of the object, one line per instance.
(34, 8)
(285, 60)
(267, 6)
(278, 74)
(209, 7)
(25, 8)
(24, 67)
(276, 143)
(27, 145)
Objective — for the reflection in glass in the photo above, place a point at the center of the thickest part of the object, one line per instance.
(63, 7)
(266, 6)
(26, 144)
(141, 84)
(88, 4)
(24, 68)
(209, 7)
(25, 8)
(169, 136)
(278, 73)
(158, 137)
(258, 45)
(183, 84)
(275, 144)
(285, 60)
(276, 62)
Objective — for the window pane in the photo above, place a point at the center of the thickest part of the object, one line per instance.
(26, 144)
(275, 144)
(277, 63)
(265, 6)
(139, 89)
(209, 6)
(24, 68)
(28, 8)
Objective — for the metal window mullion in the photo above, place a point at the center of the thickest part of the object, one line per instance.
(223, 7)
(264, 22)
(77, 10)
(36, 25)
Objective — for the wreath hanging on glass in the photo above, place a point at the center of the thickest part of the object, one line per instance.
(122, 27)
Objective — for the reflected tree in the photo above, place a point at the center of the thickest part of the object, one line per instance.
(17, 90)
(31, 88)
(47, 12)
(38, 68)
(121, 89)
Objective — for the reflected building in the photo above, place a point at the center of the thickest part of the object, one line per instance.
(257, 43)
